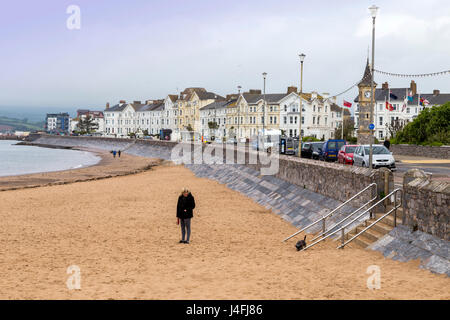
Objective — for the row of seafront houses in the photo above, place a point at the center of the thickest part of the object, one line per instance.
(198, 114)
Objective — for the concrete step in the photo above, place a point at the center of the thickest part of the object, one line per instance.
(380, 227)
(361, 242)
(370, 234)
(389, 220)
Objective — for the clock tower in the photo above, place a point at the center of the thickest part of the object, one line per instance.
(364, 100)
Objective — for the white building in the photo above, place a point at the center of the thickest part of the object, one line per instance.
(396, 97)
(215, 115)
(121, 119)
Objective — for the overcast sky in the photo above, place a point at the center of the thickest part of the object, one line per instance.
(146, 49)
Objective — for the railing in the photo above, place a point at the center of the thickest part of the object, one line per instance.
(342, 229)
(394, 209)
(323, 219)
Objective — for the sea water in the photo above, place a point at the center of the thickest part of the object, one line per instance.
(19, 159)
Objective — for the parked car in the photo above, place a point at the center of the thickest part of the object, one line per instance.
(330, 149)
(317, 146)
(381, 157)
(307, 150)
(345, 155)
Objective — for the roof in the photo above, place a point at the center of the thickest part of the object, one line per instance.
(157, 106)
(218, 104)
(253, 98)
(173, 97)
(208, 95)
(367, 77)
(399, 95)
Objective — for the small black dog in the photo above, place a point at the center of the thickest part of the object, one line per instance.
(301, 244)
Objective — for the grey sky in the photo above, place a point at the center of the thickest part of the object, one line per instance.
(137, 50)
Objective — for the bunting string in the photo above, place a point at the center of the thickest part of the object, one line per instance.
(420, 75)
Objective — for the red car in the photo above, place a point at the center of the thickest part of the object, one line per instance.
(345, 155)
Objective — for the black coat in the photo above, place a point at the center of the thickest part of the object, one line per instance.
(185, 203)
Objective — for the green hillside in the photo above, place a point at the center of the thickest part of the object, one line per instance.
(21, 124)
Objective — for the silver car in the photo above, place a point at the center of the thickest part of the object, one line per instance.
(381, 157)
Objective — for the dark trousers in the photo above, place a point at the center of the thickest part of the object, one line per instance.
(185, 228)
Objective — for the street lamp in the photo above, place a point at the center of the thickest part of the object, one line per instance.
(373, 11)
(239, 111)
(264, 106)
(302, 58)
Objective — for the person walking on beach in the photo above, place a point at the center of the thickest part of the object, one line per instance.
(185, 207)
(114, 153)
(119, 152)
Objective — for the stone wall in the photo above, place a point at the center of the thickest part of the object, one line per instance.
(426, 204)
(421, 151)
(333, 180)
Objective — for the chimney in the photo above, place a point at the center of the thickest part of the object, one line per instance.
(137, 102)
(436, 92)
(291, 89)
(122, 101)
(413, 87)
(325, 95)
(107, 105)
(333, 99)
(385, 86)
(254, 91)
(314, 95)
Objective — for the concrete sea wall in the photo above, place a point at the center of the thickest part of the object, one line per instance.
(421, 151)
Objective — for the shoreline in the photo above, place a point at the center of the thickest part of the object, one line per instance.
(107, 167)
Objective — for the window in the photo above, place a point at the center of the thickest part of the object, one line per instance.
(314, 120)
(326, 120)
(380, 134)
(314, 108)
(291, 120)
(275, 120)
(295, 120)
(271, 109)
(271, 120)
(303, 120)
(381, 121)
(285, 108)
(326, 108)
(408, 110)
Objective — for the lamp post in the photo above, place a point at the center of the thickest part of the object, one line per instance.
(302, 58)
(373, 11)
(239, 112)
(264, 108)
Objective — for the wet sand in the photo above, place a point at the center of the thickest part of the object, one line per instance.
(107, 167)
(123, 235)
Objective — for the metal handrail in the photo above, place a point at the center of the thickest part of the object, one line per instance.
(342, 229)
(333, 211)
(394, 209)
(347, 217)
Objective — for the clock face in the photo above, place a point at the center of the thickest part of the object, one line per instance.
(367, 94)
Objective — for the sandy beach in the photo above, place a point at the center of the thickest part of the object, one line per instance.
(122, 233)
